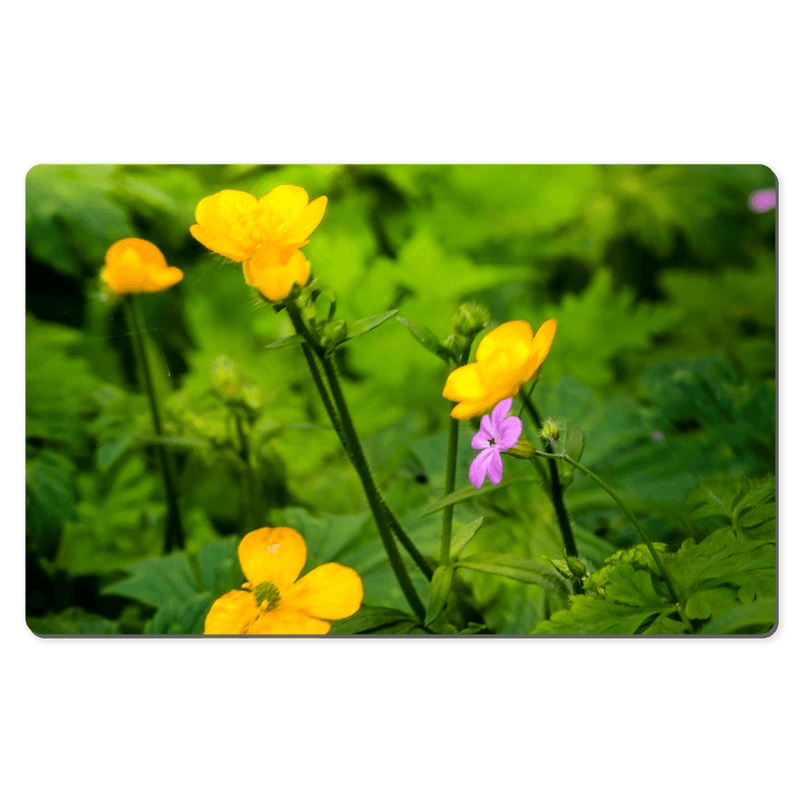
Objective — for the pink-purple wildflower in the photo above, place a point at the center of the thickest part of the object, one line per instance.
(762, 200)
(497, 433)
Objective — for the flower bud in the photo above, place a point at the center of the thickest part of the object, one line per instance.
(550, 429)
(470, 319)
(522, 449)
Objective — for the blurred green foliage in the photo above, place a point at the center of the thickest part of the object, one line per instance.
(663, 284)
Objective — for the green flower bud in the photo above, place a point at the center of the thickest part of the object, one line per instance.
(522, 449)
(470, 319)
(550, 429)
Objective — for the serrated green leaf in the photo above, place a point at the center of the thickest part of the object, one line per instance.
(159, 581)
(593, 616)
(72, 622)
(176, 618)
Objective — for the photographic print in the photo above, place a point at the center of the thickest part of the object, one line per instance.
(401, 400)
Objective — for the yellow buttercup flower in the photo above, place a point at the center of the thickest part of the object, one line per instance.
(134, 266)
(273, 601)
(507, 357)
(265, 234)
(273, 274)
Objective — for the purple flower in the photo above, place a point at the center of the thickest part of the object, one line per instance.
(762, 200)
(495, 435)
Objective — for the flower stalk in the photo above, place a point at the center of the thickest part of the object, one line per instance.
(174, 535)
(450, 475)
(556, 489)
(618, 500)
(339, 413)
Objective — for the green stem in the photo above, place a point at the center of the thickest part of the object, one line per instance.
(376, 504)
(339, 413)
(556, 489)
(174, 536)
(450, 475)
(618, 500)
(253, 515)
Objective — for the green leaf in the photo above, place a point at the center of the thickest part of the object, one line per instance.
(367, 324)
(72, 621)
(218, 566)
(426, 337)
(519, 569)
(594, 616)
(176, 618)
(755, 618)
(371, 619)
(159, 581)
(288, 341)
(463, 536)
(441, 582)
(468, 492)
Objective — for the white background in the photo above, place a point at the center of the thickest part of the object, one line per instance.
(579, 82)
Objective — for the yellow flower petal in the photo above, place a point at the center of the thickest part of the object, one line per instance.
(276, 555)
(233, 613)
(274, 277)
(464, 383)
(330, 591)
(134, 266)
(286, 218)
(540, 347)
(515, 337)
(226, 224)
(288, 620)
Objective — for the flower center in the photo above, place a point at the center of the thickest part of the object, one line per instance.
(267, 596)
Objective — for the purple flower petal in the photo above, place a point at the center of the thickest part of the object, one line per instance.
(499, 413)
(481, 438)
(510, 431)
(479, 466)
(495, 469)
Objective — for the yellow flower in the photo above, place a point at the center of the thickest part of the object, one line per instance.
(507, 357)
(265, 235)
(135, 265)
(273, 274)
(273, 600)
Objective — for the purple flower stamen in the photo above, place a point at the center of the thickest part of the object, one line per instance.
(497, 433)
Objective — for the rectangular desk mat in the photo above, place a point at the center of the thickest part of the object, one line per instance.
(400, 400)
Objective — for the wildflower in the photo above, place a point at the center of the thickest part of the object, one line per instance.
(273, 601)
(507, 357)
(497, 433)
(762, 200)
(134, 266)
(265, 235)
